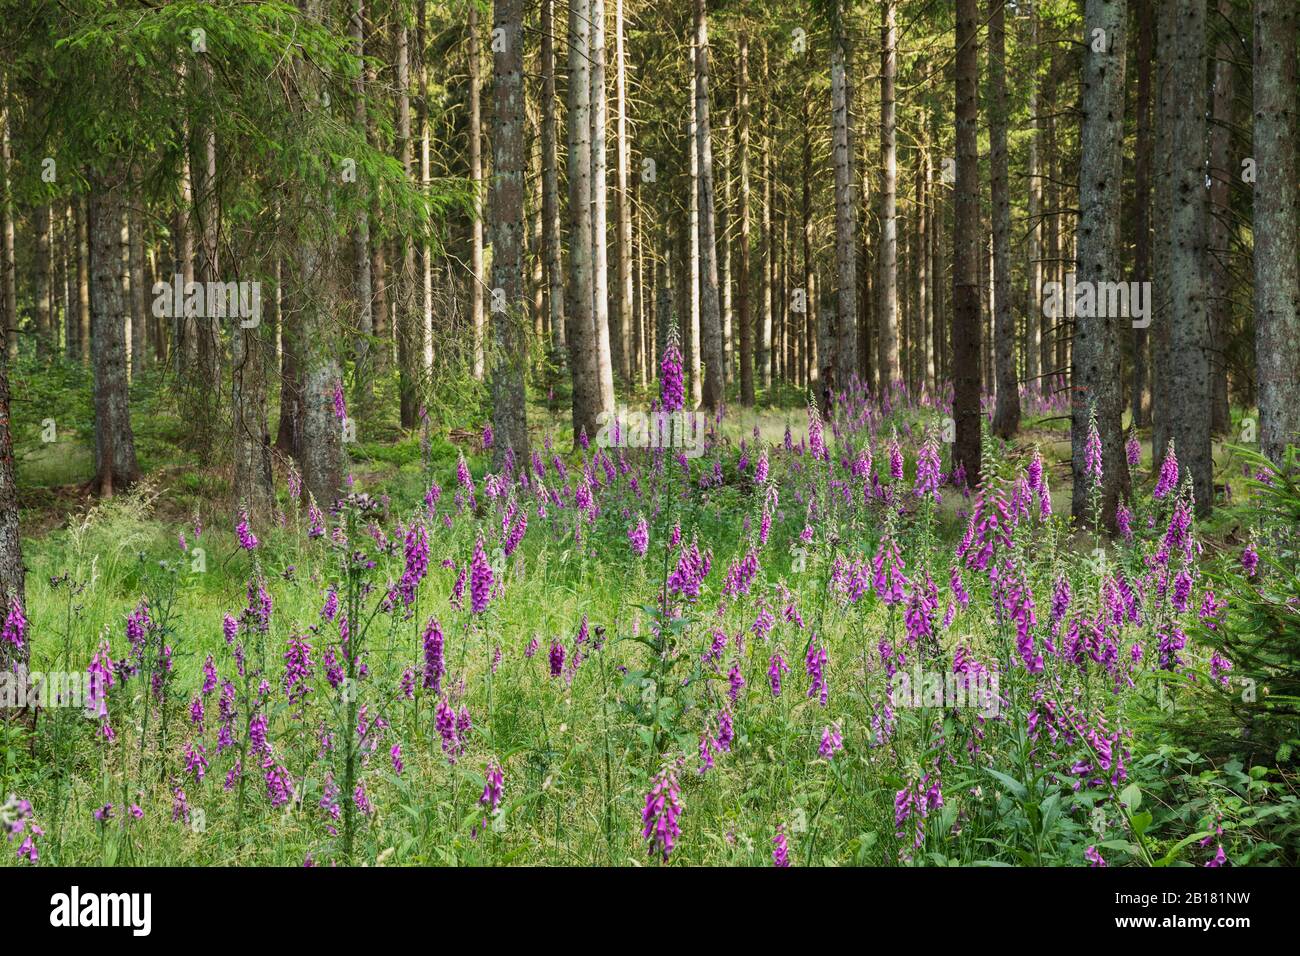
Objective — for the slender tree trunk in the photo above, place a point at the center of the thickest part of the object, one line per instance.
(1182, 44)
(1034, 228)
(710, 306)
(846, 289)
(580, 306)
(506, 202)
(742, 290)
(46, 334)
(316, 284)
(1097, 377)
(424, 331)
(8, 262)
(115, 462)
(1139, 399)
(622, 204)
(550, 184)
(765, 239)
(1277, 287)
(1221, 168)
(600, 205)
(361, 261)
(409, 350)
(477, 277)
(887, 256)
(1006, 415)
(81, 207)
(966, 254)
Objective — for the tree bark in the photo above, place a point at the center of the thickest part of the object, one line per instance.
(600, 205)
(1006, 414)
(477, 277)
(742, 160)
(1277, 286)
(1139, 399)
(622, 203)
(1187, 372)
(710, 306)
(1096, 376)
(846, 280)
(887, 257)
(966, 331)
(115, 462)
(580, 306)
(510, 423)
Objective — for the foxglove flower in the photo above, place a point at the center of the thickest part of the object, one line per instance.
(660, 817)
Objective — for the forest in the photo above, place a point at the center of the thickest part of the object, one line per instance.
(650, 433)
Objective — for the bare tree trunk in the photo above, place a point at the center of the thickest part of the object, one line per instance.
(550, 184)
(846, 267)
(1187, 372)
(1277, 287)
(46, 335)
(477, 277)
(1139, 399)
(409, 352)
(580, 307)
(1221, 168)
(361, 262)
(424, 330)
(510, 353)
(925, 361)
(115, 462)
(1034, 230)
(1096, 370)
(765, 238)
(316, 286)
(693, 358)
(887, 257)
(710, 306)
(81, 207)
(966, 254)
(742, 159)
(1006, 415)
(622, 205)
(600, 205)
(8, 262)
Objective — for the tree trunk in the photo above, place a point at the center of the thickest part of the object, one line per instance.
(361, 262)
(966, 330)
(46, 335)
(8, 262)
(622, 203)
(477, 277)
(765, 238)
(1187, 372)
(600, 205)
(409, 349)
(742, 289)
(550, 184)
(1221, 168)
(710, 305)
(887, 257)
(316, 286)
(510, 423)
(115, 463)
(846, 267)
(580, 306)
(1096, 375)
(1006, 415)
(1139, 400)
(1277, 287)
